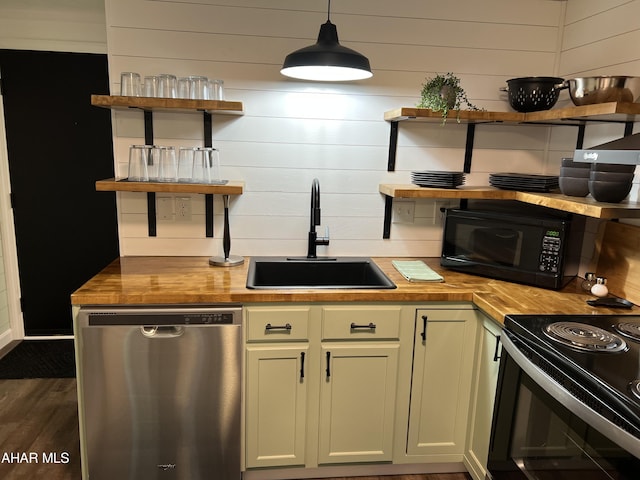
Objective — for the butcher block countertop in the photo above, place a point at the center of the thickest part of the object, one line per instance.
(189, 280)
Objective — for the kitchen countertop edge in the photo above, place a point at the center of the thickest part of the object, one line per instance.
(191, 280)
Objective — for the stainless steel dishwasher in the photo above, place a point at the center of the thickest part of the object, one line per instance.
(161, 392)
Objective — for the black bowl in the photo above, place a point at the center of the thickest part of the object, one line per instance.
(611, 176)
(611, 192)
(574, 186)
(613, 167)
(575, 172)
(568, 162)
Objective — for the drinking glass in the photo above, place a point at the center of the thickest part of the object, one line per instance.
(216, 89)
(186, 157)
(153, 162)
(199, 87)
(138, 157)
(184, 87)
(167, 85)
(206, 165)
(130, 84)
(168, 165)
(151, 86)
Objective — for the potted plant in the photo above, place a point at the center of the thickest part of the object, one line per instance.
(443, 93)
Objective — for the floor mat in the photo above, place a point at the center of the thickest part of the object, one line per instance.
(39, 359)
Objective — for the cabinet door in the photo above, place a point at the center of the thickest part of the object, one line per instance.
(276, 403)
(357, 402)
(486, 378)
(441, 382)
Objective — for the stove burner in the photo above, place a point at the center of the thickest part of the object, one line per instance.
(629, 329)
(635, 388)
(585, 337)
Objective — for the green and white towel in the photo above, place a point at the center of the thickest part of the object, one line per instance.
(416, 271)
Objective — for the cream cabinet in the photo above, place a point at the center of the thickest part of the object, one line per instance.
(444, 345)
(358, 385)
(484, 390)
(351, 384)
(321, 383)
(276, 386)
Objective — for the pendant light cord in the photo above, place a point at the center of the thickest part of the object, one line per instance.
(329, 11)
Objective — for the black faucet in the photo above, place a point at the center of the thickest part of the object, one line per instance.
(314, 240)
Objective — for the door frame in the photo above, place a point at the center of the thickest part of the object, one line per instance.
(9, 251)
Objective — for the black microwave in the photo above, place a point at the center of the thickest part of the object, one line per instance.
(533, 249)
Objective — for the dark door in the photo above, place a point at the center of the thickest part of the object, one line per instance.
(58, 146)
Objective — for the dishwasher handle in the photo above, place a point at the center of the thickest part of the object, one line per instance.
(162, 331)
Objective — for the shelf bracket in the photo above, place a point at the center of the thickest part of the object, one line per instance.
(151, 196)
(208, 198)
(580, 140)
(208, 129)
(468, 149)
(208, 214)
(468, 156)
(628, 128)
(388, 208)
(393, 146)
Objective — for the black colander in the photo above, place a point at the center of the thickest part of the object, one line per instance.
(532, 94)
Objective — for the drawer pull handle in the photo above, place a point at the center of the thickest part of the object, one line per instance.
(301, 365)
(424, 328)
(268, 327)
(370, 326)
(496, 353)
(328, 364)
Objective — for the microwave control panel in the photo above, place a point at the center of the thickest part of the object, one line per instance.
(550, 253)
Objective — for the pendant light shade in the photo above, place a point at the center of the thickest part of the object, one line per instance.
(327, 60)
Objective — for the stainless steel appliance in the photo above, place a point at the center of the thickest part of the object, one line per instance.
(161, 392)
(526, 247)
(568, 399)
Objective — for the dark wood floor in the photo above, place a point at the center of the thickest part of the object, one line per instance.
(39, 421)
(39, 427)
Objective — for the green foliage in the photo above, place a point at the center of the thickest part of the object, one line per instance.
(443, 93)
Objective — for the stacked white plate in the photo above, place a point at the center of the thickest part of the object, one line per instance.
(437, 178)
(523, 182)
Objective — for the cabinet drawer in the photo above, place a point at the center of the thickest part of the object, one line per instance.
(277, 324)
(361, 323)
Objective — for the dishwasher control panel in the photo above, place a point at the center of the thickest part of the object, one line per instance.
(221, 315)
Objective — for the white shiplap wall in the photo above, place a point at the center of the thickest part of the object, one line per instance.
(294, 131)
(601, 38)
(53, 25)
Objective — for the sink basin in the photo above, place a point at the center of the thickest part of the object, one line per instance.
(341, 272)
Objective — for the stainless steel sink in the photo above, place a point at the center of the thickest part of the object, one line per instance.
(340, 272)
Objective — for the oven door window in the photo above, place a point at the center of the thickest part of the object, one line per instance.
(548, 442)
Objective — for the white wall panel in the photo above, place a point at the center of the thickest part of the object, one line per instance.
(578, 10)
(293, 131)
(54, 25)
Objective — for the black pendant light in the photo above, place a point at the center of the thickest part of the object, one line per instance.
(327, 60)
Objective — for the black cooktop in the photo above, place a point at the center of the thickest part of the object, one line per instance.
(610, 369)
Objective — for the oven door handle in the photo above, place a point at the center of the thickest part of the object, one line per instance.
(604, 426)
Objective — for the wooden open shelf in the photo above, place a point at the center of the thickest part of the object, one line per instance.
(603, 112)
(167, 104)
(583, 206)
(112, 185)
